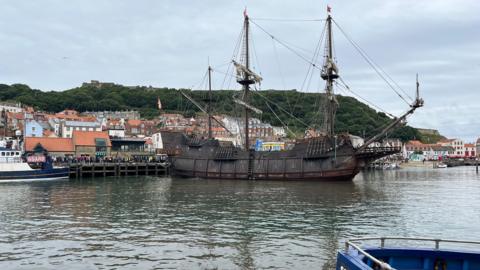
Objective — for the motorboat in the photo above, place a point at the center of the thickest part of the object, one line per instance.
(403, 253)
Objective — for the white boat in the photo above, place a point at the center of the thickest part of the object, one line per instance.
(14, 168)
(441, 166)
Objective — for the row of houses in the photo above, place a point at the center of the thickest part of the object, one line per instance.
(119, 133)
(82, 143)
(448, 148)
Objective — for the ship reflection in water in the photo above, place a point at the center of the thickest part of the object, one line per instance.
(146, 223)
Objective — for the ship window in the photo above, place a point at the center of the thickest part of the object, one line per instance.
(17, 153)
(3, 154)
(8, 154)
(12, 153)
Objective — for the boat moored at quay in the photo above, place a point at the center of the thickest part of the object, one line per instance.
(325, 156)
(14, 167)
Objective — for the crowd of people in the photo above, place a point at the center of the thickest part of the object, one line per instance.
(108, 159)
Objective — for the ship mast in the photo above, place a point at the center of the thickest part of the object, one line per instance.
(209, 106)
(245, 80)
(246, 77)
(329, 74)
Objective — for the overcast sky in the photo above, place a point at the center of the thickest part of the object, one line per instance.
(58, 44)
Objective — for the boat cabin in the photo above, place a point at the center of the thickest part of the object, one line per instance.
(10, 156)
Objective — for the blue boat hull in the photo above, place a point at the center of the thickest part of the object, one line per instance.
(40, 174)
(411, 259)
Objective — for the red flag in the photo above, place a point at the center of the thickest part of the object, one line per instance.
(245, 12)
(329, 9)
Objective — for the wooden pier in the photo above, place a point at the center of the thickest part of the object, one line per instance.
(79, 170)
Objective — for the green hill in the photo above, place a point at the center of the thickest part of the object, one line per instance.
(352, 116)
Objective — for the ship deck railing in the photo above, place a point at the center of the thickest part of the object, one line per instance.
(353, 244)
(377, 149)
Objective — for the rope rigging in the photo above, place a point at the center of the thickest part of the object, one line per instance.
(287, 20)
(375, 67)
(281, 108)
(286, 45)
(313, 62)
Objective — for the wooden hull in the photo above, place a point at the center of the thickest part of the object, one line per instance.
(333, 175)
(287, 169)
(316, 159)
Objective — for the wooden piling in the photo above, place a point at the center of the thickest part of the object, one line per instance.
(117, 169)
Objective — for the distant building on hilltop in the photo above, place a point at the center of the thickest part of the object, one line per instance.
(97, 84)
(428, 131)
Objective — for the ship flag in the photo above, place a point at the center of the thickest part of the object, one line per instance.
(329, 9)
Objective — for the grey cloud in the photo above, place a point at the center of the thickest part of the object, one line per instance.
(56, 44)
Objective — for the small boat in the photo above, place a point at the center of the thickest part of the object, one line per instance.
(441, 166)
(14, 168)
(428, 255)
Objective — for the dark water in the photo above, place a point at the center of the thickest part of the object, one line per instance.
(160, 223)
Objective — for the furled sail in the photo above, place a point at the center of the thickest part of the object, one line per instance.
(241, 70)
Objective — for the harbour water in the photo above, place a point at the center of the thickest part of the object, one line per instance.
(163, 223)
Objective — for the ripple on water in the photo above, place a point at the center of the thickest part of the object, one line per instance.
(149, 223)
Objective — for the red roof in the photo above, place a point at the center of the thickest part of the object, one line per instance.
(51, 144)
(87, 138)
(469, 145)
(134, 122)
(14, 115)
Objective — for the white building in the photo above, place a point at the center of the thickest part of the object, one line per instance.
(232, 124)
(11, 107)
(55, 124)
(457, 144)
(157, 141)
(116, 128)
(68, 127)
(279, 132)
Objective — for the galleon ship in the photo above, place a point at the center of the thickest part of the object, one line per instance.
(326, 156)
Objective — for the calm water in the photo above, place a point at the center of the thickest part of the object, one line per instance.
(163, 223)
